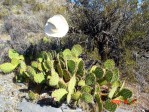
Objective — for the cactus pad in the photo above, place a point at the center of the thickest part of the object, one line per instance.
(126, 93)
(86, 89)
(90, 79)
(81, 83)
(99, 102)
(39, 78)
(86, 97)
(54, 79)
(59, 94)
(66, 75)
(71, 66)
(108, 76)
(110, 106)
(76, 96)
(98, 72)
(7, 67)
(76, 50)
(81, 70)
(109, 64)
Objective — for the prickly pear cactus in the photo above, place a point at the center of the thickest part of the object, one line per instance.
(81, 69)
(59, 94)
(99, 102)
(98, 71)
(7, 67)
(90, 79)
(86, 97)
(86, 89)
(109, 75)
(109, 64)
(71, 87)
(71, 66)
(76, 50)
(66, 75)
(76, 96)
(81, 83)
(39, 78)
(110, 106)
(126, 93)
(53, 79)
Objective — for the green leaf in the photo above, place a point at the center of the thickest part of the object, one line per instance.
(109, 64)
(76, 50)
(7, 67)
(59, 94)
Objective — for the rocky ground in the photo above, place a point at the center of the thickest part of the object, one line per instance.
(14, 99)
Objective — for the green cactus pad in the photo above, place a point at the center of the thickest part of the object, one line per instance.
(7, 67)
(115, 86)
(31, 72)
(66, 75)
(34, 64)
(86, 97)
(13, 54)
(99, 102)
(71, 66)
(33, 96)
(86, 89)
(90, 79)
(126, 93)
(69, 98)
(15, 62)
(67, 54)
(54, 79)
(40, 67)
(76, 50)
(109, 64)
(108, 76)
(59, 94)
(115, 75)
(81, 83)
(62, 84)
(39, 78)
(110, 106)
(98, 72)
(76, 96)
(58, 68)
(71, 84)
(81, 70)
